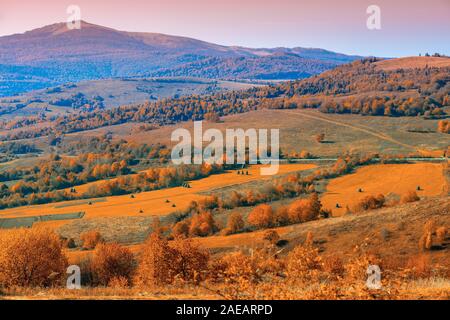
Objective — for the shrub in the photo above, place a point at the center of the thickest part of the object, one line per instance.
(426, 241)
(410, 196)
(235, 223)
(429, 226)
(156, 262)
(119, 282)
(161, 263)
(261, 217)
(334, 266)
(444, 126)
(309, 239)
(432, 234)
(191, 261)
(156, 225)
(202, 225)
(85, 264)
(303, 263)
(282, 216)
(356, 267)
(420, 266)
(209, 203)
(240, 272)
(304, 210)
(320, 138)
(441, 234)
(236, 200)
(90, 239)
(181, 229)
(31, 257)
(370, 203)
(112, 262)
(272, 236)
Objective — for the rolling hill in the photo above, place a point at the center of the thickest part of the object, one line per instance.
(54, 54)
(108, 93)
(413, 63)
(357, 88)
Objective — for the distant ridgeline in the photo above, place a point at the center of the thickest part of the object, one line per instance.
(54, 54)
(359, 88)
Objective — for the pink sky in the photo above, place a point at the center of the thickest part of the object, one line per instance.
(408, 26)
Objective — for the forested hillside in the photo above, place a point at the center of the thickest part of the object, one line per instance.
(358, 88)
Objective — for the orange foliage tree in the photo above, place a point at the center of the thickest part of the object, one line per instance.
(191, 262)
(112, 262)
(304, 210)
(31, 258)
(235, 223)
(181, 229)
(90, 239)
(161, 263)
(202, 225)
(262, 216)
(156, 262)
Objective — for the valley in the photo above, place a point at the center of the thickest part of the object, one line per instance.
(87, 176)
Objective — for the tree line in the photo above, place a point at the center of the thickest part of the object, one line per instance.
(359, 87)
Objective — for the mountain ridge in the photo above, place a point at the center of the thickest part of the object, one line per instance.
(59, 55)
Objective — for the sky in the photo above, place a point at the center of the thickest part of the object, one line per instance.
(408, 27)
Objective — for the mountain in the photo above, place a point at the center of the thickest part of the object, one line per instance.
(54, 54)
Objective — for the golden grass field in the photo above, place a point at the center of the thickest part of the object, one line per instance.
(151, 203)
(340, 234)
(388, 179)
(298, 128)
(413, 62)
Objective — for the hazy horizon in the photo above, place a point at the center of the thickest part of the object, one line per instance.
(407, 27)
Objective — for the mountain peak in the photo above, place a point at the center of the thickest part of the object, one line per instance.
(61, 54)
(62, 27)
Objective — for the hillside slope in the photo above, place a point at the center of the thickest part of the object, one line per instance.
(355, 88)
(413, 63)
(108, 93)
(390, 232)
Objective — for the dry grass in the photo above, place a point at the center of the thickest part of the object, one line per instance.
(329, 265)
(391, 232)
(299, 126)
(148, 204)
(387, 179)
(413, 62)
(422, 289)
